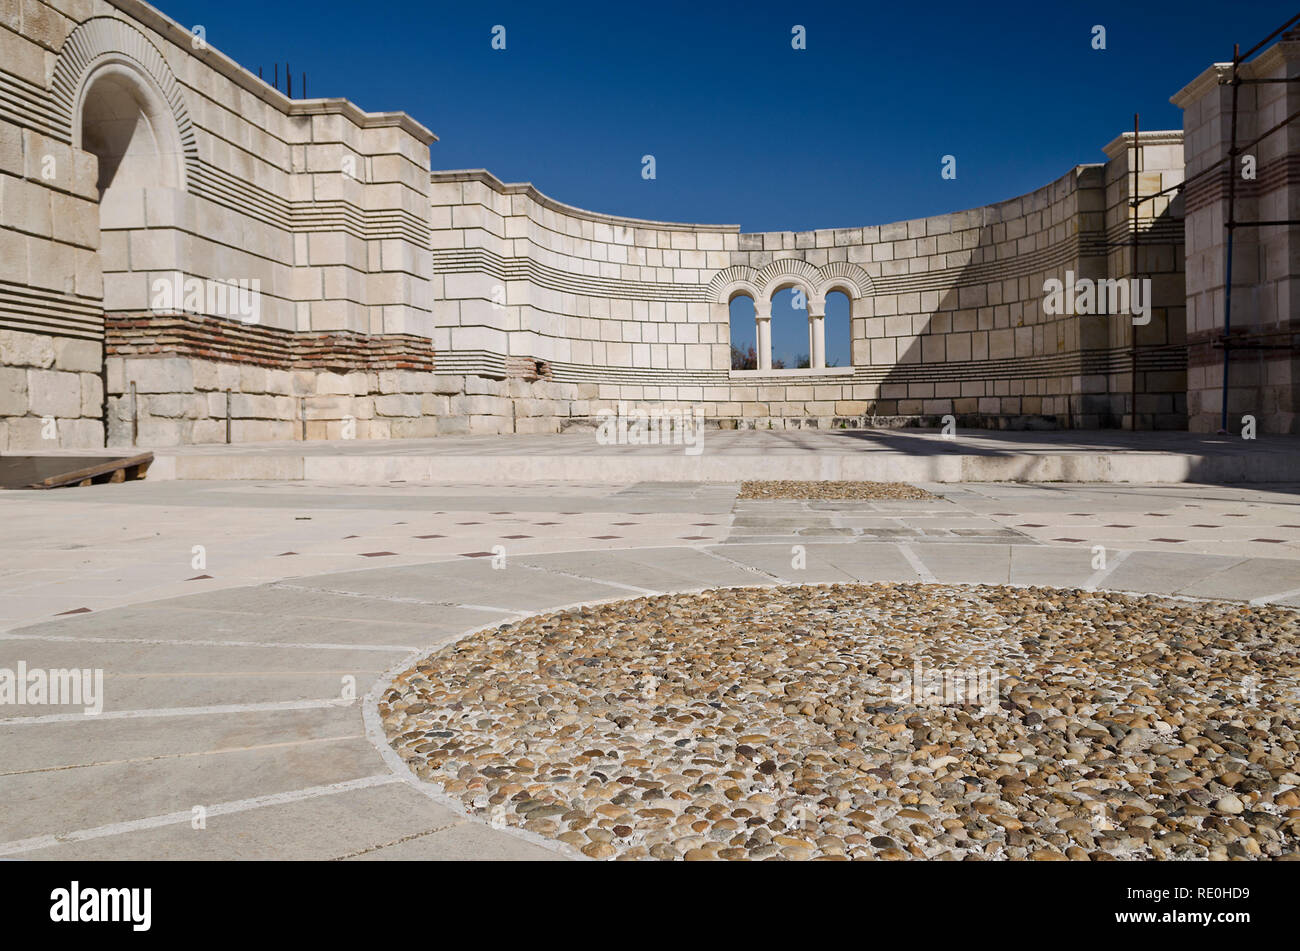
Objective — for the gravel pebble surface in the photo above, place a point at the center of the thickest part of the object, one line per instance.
(883, 721)
(826, 491)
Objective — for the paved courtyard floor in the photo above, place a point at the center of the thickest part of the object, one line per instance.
(246, 630)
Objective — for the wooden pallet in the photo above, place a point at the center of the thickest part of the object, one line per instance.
(53, 472)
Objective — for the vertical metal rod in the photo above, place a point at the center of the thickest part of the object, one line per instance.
(227, 417)
(1133, 347)
(1230, 224)
(135, 416)
(302, 416)
(288, 80)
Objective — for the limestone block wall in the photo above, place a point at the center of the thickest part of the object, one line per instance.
(519, 274)
(1161, 351)
(180, 400)
(947, 312)
(51, 392)
(1264, 373)
(132, 158)
(51, 320)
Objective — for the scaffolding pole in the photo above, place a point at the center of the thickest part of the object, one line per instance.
(1230, 224)
(1133, 331)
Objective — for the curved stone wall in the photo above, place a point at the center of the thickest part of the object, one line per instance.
(947, 312)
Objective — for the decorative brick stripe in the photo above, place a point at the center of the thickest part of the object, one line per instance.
(1275, 341)
(1271, 177)
(341, 351)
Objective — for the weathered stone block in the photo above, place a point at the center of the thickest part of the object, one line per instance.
(397, 405)
(25, 350)
(81, 356)
(13, 391)
(422, 428)
(166, 375)
(92, 395)
(53, 393)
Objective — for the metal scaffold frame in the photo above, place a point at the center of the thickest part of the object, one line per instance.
(1231, 223)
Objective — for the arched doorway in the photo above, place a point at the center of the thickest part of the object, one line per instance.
(122, 118)
(128, 127)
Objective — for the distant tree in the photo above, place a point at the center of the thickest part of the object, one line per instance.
(748, 359)
(743, 359)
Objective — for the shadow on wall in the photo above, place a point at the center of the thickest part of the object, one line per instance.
(986, 352)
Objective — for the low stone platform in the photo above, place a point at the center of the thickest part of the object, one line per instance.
(869, 455)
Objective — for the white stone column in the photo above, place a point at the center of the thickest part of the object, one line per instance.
(763, 335)
(817, 334)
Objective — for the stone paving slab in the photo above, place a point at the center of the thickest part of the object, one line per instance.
(662, 569)
(321, 828)
(202, 690)
(776, 562)
(1256, 578)
(1165, 572)
(1069, 566)
(90, 740)
(470, 581)
(56, 801)
(466, 842)
(242, 621)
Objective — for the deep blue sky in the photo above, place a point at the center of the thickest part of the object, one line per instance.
(744, 129)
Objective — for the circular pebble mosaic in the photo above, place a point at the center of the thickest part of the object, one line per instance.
(884, 721)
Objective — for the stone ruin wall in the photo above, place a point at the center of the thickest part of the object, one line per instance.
(325, 206)
(946, 312)
(399, 303)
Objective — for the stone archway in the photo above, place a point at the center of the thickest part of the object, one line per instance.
(118, 100)
(127, 125)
